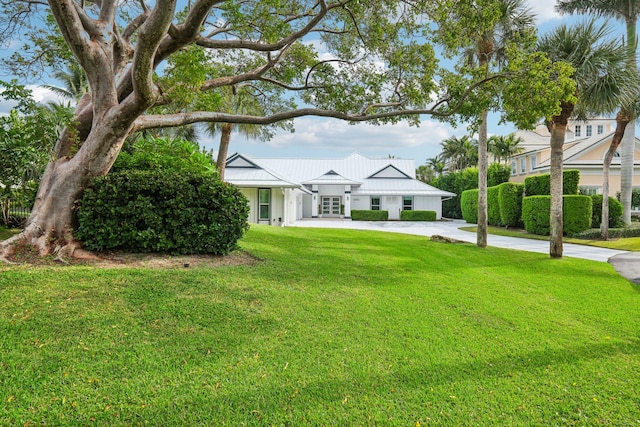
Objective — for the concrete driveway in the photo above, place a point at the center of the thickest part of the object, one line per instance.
(451, 229)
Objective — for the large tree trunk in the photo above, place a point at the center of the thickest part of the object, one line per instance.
(558, 132)
(223, 150)
(483, 161)
(50, 225)
(627, 150)
(622, 120)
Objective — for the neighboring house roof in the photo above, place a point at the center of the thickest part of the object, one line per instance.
(366, 176)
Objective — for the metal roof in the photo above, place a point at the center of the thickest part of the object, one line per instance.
(367, 176)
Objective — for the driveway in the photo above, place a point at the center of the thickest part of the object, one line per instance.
(451, 229)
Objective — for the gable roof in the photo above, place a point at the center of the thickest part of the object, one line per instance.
(365, 175)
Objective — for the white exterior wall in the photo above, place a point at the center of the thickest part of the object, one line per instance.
(422, 203)
(252, 195)
(360, 203)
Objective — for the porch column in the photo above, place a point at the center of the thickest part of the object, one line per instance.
(347, 201)
(314, 201)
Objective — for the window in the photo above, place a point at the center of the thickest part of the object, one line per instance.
(375, 203)
(534, 162)
(589, 190)
(578, 130)
(407, 203)
(523, 165)
(589, 131)
(600, 129)
(513, 167)
(264, 198)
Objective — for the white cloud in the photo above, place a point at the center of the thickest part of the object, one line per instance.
(544, 10)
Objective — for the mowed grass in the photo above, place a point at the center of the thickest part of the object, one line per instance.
(333, 328)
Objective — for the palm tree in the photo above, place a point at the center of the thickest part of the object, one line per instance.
(627, 11)
(238, 101)
(459, 153)
(436, 164)
(599, 65)
(515, 18)
(504, 147)
(74, 81)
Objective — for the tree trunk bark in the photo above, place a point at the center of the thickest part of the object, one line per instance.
(483, 161)
(627, 150)
(223, 150)
(622, 120)
(558, 132)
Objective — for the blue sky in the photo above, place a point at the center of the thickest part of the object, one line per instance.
(330, 138)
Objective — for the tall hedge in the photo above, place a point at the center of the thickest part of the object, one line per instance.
(540, 185)
(156, 211)
(497, 173)
(510, 200)
(493, 206)
(615, 211)
(469, 206)
(576, 214)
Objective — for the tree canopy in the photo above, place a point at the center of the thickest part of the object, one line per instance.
(168, 64)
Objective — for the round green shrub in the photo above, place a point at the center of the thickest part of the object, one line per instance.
(156, 211)
(469, 206)
(615, 211)
(510, 200)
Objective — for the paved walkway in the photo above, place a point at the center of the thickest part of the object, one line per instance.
(626, 263)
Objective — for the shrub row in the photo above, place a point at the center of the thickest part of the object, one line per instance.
(156, 211)
(540, 185)
(418, 215)
(504, 204)
(363, 215)
(576, 214)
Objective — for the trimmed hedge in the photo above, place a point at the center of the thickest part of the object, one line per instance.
(493, 206)
(540, 185)
(469, 206)
(510, 200)
(576, 214)
(361, 215)
(418, 215)
(156, 211)
(615, 211)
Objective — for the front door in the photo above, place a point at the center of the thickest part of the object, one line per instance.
(330, 206)
(393, 204)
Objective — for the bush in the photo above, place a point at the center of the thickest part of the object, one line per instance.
(615, 211)
(540, 185)
(493, 206)
(457, 182)
(156, 211)
(497, 173)
(418, 215)
(357, 215)
(576, 214)
(510, 200)
(469, 206)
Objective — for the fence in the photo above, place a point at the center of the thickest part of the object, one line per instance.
(14, 216)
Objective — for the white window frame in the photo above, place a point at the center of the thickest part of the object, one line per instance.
(578, 130)
(513, 167)
(376, 206)
(589, 131)
(534, 162)
(600, 129)
(523, 165)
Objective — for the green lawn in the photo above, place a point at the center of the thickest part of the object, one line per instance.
(333, 328)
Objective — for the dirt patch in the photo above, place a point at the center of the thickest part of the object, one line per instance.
(28, 255)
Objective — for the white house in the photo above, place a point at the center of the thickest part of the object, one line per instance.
(282, 191)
